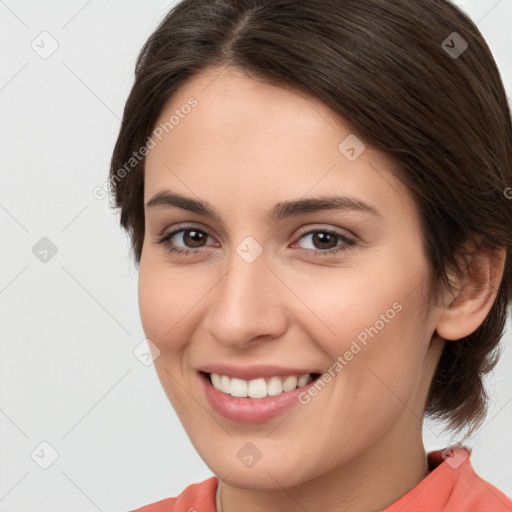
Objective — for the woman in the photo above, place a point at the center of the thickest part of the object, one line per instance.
(317, 195)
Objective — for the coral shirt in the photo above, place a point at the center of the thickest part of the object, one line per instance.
(451, 486)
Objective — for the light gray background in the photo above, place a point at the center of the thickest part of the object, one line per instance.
(69, 326)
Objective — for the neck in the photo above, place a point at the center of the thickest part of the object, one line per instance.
(369, 483)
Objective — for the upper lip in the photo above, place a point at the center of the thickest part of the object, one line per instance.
(253, 372)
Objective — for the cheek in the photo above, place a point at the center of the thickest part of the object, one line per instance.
(168, 300)
(347, 303)
(368, 325)
(373, 298)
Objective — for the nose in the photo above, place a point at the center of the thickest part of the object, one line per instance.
(247, 304)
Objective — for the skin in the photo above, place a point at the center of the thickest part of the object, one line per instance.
(246, 146)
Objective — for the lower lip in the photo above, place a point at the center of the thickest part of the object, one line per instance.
(250, 410)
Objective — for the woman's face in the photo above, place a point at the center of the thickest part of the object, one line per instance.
(268, 283)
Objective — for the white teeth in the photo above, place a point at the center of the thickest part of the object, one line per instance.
(216, 380)
(258, 388)
(225, 384)
(302, 380)
(290, 383)
(238, 387)
(274, 386)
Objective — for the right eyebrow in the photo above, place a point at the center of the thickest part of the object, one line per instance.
(167, 199)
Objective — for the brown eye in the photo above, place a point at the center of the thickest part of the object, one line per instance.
(193, 238)
(185, 240)
(325, 242)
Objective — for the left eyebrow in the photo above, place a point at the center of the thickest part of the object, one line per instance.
(288, 208)
(281, 210)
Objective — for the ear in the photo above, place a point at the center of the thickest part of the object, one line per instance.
(465, 311)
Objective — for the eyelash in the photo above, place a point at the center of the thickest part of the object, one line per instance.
(348, 243)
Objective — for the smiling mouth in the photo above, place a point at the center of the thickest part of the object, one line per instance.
(258, 388)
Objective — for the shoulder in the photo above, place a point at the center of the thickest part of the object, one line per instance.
(196, 497)
(479, 495)
(469, 490)
(452, 485)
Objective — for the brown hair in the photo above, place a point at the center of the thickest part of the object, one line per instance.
(386, 67)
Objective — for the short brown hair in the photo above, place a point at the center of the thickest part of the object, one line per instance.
(386, 67)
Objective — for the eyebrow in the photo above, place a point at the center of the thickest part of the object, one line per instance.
(280, 211)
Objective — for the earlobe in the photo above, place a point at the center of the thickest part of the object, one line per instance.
(465, 309)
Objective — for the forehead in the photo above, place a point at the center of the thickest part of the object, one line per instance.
(228, 97)
(247, 135)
